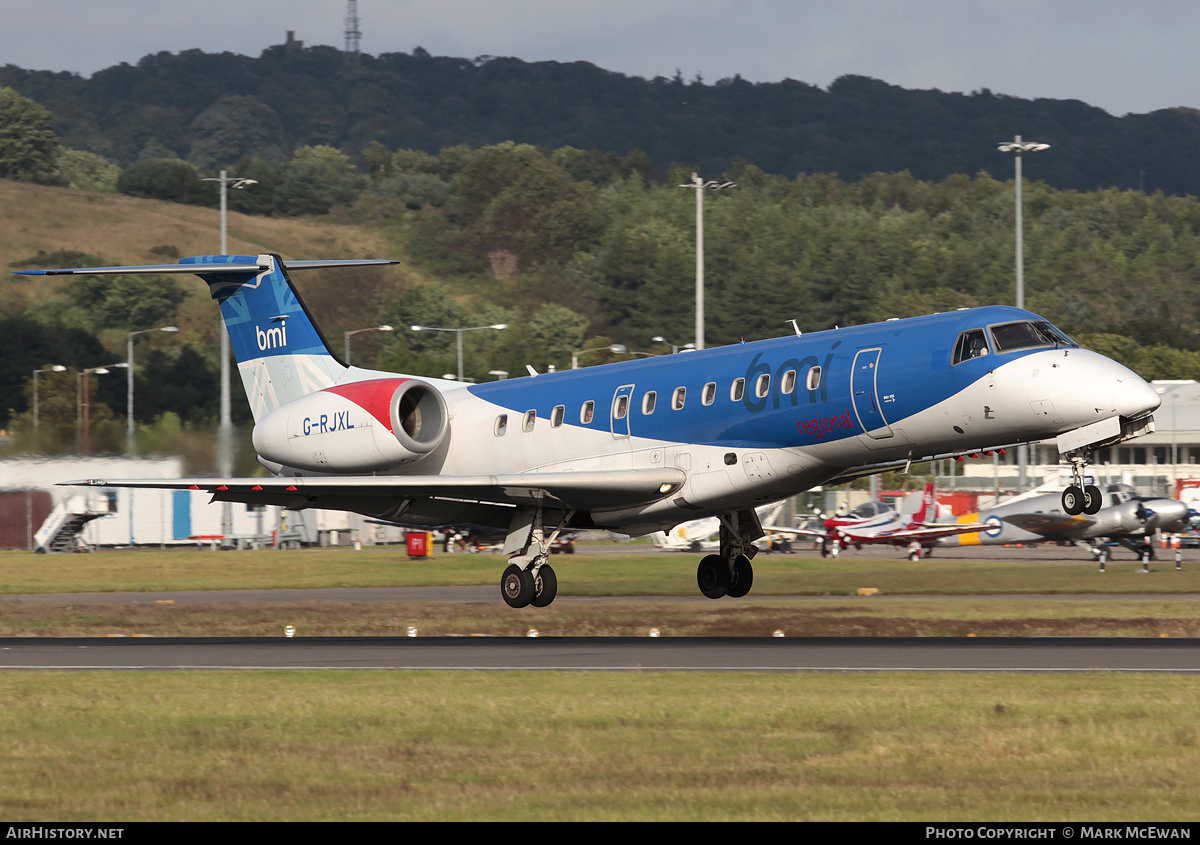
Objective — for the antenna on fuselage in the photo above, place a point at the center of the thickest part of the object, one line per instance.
(796, 328)
(531, 370)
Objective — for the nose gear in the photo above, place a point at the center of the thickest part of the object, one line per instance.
(1080, 498)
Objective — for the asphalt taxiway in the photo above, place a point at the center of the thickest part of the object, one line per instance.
(826, 654)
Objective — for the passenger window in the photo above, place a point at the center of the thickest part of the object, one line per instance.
(737, 390)
(762, 387)
(586, 412)
(530, 419)
(501, 425)
(971, 344)
(648, 402)
(677, 399)
(621, 406)
(814, 378)
(789, 382)
(557, 415)
(710, 393)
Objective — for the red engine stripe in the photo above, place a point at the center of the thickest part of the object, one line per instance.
(373, 396)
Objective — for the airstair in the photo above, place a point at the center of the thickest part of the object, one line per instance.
(62, 531)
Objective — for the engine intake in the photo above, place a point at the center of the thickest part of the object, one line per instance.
(418, 415)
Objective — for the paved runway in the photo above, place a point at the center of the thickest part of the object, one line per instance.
(827, 654)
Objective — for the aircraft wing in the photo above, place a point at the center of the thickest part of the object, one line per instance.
(920, 532)
(800, 532)
(1052, 526)
(392, 495)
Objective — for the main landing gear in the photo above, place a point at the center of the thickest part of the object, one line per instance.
(729, 573)
(529, 580)
(1080, 498)
(536, 586)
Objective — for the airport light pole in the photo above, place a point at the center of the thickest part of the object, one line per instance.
(1019, 148)
(83, 417)
(129, 381)
(225, 428)
(53, 368)
(700, 186)
(225, 456)
(674, 348)
(368, 329)
(459, 332)
(614, 348)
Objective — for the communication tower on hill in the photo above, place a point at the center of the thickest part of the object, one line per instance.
(353, 34)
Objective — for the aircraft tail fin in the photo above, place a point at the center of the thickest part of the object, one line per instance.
(280, 351)
(929, 508)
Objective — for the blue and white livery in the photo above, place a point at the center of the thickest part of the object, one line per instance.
(641, 446)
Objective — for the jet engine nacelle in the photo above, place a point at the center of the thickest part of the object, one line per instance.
(361, 427)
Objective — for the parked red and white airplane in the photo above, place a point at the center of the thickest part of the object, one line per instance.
(641, 446)
(874, 523)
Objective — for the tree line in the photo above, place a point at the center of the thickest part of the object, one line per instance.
(215, 109)
(576, 249)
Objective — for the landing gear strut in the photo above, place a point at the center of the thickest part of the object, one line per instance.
(1079, 498)
(529, 580)
(730, 573)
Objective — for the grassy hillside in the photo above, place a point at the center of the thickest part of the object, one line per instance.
(127, 230)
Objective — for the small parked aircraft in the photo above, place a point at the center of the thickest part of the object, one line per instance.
(640, 446)
(1124, 517)
(873, 523)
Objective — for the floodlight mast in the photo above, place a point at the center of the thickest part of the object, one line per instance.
(700, 186)
(1019, 148)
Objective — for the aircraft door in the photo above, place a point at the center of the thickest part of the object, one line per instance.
(865, 395)
(622, 409)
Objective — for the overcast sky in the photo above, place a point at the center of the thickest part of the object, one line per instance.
(1116, 54)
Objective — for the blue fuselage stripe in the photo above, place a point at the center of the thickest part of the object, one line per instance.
(914, 373)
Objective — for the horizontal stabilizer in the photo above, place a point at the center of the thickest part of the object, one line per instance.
(242, 265)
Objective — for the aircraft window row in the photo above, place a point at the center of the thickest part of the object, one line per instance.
(620, 410)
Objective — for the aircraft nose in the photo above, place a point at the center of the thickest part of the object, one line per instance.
(1172, 515)
(1134, 398)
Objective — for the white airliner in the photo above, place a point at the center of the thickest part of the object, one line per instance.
(641, 446)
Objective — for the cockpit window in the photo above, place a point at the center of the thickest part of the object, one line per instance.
(971, 344)
(1027, 334)
(868, 509)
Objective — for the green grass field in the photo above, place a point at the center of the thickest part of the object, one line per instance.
(649, 574)
(359, 745)
(595, 746)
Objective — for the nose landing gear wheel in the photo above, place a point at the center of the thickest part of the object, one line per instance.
(713, 577)
(1092, 499)
(1072, 500)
